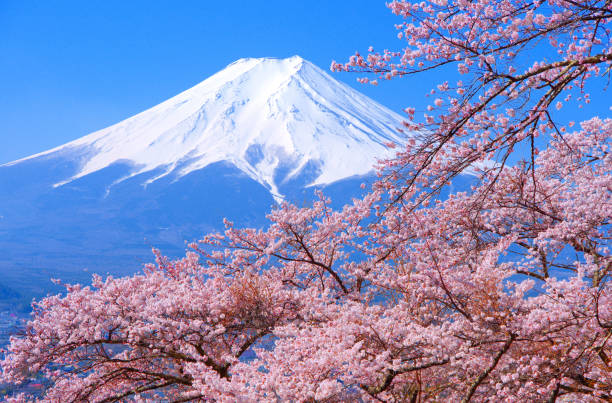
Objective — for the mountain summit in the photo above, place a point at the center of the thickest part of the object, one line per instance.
(273, 119)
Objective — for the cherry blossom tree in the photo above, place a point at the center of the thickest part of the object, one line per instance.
(498, 293)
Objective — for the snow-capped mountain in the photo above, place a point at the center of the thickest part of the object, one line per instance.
(258, 131)
(263, 116)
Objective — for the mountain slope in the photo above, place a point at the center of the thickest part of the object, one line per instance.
(271, 118)
(259, 131)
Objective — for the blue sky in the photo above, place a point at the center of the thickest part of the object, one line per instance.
(70, 67)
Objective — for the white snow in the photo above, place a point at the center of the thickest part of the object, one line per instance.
(258, 114)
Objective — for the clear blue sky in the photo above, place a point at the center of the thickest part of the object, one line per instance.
(68, 68)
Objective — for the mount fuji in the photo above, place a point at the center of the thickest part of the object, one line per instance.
(258, 132)
(264, 116)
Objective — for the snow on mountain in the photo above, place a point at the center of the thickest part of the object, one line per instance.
(271, 118)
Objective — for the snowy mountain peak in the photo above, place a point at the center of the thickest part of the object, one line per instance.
(274, 119)
(293, 60)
